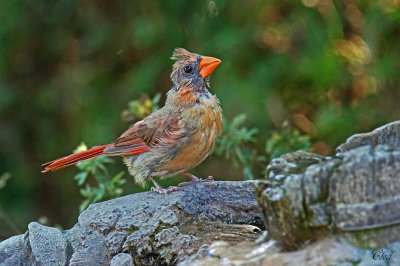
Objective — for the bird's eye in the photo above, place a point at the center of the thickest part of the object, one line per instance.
(187, 69)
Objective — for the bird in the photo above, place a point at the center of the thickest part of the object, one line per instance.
(173, 139)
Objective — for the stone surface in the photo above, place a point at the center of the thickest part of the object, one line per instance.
(48, 245)
(152, 228)
(41, 245)
(122, 259)
(306, 195)
(12, 251)
(282, 197)
(267, 253)
(388, 134)
(355, 193)
(326, 251)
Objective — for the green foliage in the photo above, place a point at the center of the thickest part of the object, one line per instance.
(234, 146)
(288, 140)
(139, 109)
(105, 185)
(236, 141)
(3, 179)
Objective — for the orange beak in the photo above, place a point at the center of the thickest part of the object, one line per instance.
(208, 65)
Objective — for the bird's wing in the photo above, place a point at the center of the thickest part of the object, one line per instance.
(155, 130)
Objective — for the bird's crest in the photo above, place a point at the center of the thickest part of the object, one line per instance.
(182, 54)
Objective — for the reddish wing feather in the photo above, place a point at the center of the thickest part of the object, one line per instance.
(161, 131)
(129, 143)
(74, 158)
(152, 131)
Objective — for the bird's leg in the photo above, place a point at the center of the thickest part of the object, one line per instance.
(195, 179)
(159, 189)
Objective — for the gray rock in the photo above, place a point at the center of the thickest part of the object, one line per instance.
(122, 259)
(356, 193)
(12, 251)
(41, 245)
(388, 134)
(48, 245)
(328, 251)
(293, 197)
(331, 250)
(152, 228)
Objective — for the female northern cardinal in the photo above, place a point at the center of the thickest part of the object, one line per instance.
(173, 139)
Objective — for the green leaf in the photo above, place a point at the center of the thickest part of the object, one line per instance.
(81, 177)
(117, 177)
(285, 142)
(105, 159)
(99, 193)
(100, 177)
(118, 192)
(3, 179)
(84, 205)
(87, 191)
(155, 101)
(247, 174)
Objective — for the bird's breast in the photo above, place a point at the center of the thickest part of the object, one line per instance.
(203, 123)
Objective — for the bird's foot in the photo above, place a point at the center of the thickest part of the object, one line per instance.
(162, 190)
(195, 179)
(159, 189)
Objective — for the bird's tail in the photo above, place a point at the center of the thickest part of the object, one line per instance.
(74, 158)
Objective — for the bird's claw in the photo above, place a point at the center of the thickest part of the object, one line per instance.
(197, 180)
(162, 190)
(209, 178)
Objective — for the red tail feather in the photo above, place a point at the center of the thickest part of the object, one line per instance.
(74, 158)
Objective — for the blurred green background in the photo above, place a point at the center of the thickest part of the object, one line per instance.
(69, 68)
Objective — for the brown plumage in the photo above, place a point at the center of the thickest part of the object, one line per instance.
(173, 139)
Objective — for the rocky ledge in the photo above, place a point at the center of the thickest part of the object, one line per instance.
(144, 228)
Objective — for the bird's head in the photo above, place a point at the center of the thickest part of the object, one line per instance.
(191, 71)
